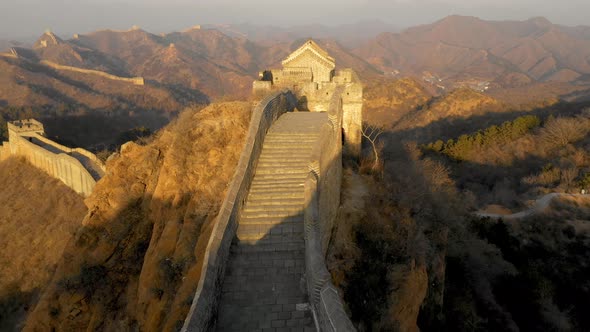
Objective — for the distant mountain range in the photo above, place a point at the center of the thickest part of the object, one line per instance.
(350, 35)
(507, 53)
(211, 62)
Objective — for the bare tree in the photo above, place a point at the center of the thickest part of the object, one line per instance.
(371, 133)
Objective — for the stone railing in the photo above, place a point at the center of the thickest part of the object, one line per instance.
(322, 199)
(133, 80)
(204, 306)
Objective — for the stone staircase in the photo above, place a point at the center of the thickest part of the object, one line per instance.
(264, 286)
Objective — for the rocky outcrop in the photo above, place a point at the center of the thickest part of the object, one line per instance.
(135, 263)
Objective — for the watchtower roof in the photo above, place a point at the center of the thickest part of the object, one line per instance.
(310, 46)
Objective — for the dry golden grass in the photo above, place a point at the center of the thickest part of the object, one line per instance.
(151, 218)
(39, 215)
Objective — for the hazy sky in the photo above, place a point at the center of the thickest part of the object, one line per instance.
(20, 18)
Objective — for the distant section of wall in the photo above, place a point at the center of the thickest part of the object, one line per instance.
(77, 168)
(96, 163)
(132, 80)
(61, 166)
(204, 306)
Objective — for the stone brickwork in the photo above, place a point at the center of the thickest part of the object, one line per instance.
(77, 168)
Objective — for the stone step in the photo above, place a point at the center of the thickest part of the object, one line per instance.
(290, 138)
(273, 201)
(272, 162)
(290, 208)
(279, 238)
(286, 158)
(286, 168)
(282, 170)
(289, 171)
(276, 179)
(279, 180)
(289, 143)
(298, 219)
(254, 247)
(275, 150)
(260, 231)
(291, 153)
(259, 178)
(286, 153)
(271, 259)
(271, 214)
(293, 147)
(288, 197)
(281, 195)
(275, 132)
(287, 187)
(245, 247)
(284, 191)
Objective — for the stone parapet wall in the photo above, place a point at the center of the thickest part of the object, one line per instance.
(99, 163)
(132, 80)
(61, 166)
(319, 99)
(77, 168)
(205, 302)
(322, 199)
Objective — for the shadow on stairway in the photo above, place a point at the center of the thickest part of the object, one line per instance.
(264, 286)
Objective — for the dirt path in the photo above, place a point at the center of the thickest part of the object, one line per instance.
(540, 205)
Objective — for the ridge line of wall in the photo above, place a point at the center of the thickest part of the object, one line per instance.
(133, 80)
(204, 306)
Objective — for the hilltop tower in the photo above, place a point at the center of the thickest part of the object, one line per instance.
(311, 73)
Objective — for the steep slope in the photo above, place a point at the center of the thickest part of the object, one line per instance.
(206, 60)
(386, 101)
(135, 263)
(85, 109)
(39, 215)
(458, 104)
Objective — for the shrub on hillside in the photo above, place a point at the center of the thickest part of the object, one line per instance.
(466, 145)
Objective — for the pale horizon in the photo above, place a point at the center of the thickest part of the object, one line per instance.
(30, 18)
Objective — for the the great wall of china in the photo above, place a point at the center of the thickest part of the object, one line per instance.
(253, 227)
(132, 80)
(13, 53)
(279, 209)
(79, 169)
